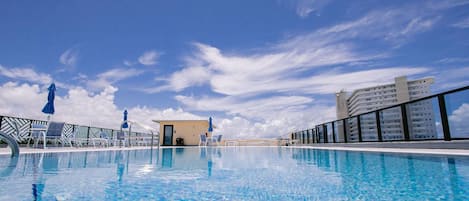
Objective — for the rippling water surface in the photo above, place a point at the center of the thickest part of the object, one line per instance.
(233, 173)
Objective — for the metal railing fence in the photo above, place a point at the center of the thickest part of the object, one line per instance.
(24, 125)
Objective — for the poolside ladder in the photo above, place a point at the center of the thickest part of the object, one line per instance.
(15, 148)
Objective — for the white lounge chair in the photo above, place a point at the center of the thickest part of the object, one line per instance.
(54, 131)
(203, 140)
(216, 139)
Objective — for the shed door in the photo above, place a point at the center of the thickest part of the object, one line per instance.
(168, 135)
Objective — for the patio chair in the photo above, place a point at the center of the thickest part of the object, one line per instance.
(120, 138)
(203, 140)
(73, 139)
(216, 139)
(52, 132)
(103, 139)
(36, 132)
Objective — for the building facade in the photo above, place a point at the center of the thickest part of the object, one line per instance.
(420, 115)
(188, 130)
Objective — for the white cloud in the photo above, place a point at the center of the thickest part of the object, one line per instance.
(458, 121)
(280, 123)
(463, 24)
(129, 63)
(445, 4)
(26, 74)
(149, 58)
(451, 78)
(262, 108)
(256, 88)
(451, 60)
(304, 8)
(110, 77)
(78, 106)
(69, 57)
(276, 67)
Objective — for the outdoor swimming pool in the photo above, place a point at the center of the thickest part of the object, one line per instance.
(233, 173)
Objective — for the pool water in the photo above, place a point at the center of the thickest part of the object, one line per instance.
(233, 173)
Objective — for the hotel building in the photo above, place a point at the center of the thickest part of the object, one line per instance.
(420, 114)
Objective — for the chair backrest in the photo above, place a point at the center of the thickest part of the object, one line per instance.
(203, 138)
(103, 135)
(37, 133)
(120, 135)
(55, 129)
(219, 138)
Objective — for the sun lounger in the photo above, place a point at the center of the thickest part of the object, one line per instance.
(53, 131)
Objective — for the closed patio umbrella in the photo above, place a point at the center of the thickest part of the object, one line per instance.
(125, 125)
(49, 107)
(210, 126)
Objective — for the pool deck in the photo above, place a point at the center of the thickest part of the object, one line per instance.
(459, 148)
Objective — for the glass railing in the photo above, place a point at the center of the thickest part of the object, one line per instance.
(442, 116)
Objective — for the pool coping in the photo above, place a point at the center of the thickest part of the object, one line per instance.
(456, 152)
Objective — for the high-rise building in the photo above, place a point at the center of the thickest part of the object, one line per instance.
(420, 114)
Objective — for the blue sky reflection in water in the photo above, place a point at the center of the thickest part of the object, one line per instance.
(259, 68)
(234, 173)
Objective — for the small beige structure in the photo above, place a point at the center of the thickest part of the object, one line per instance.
(188, 130)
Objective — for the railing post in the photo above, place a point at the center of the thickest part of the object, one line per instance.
(405, 123)
(378, 126)
(324, 133)
(316, 134)
(359, 129)
(444, 117)
(1, 122)
(88, 137)
(345, 130)
(333, 132)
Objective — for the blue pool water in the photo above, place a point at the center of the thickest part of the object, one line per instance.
(233, 173)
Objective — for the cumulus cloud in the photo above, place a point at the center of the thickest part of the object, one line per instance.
(26, 74)
(458, 121)
(149, 58)
(79, 106)
(281, 123)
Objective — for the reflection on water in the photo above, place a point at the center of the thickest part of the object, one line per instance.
(233, 173)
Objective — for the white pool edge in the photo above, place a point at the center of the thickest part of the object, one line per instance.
(456, 152)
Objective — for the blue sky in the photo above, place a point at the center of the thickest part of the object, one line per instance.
(260, 68)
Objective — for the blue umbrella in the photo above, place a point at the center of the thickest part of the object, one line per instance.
(125, 125)
(210, 127)
(49, 107)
